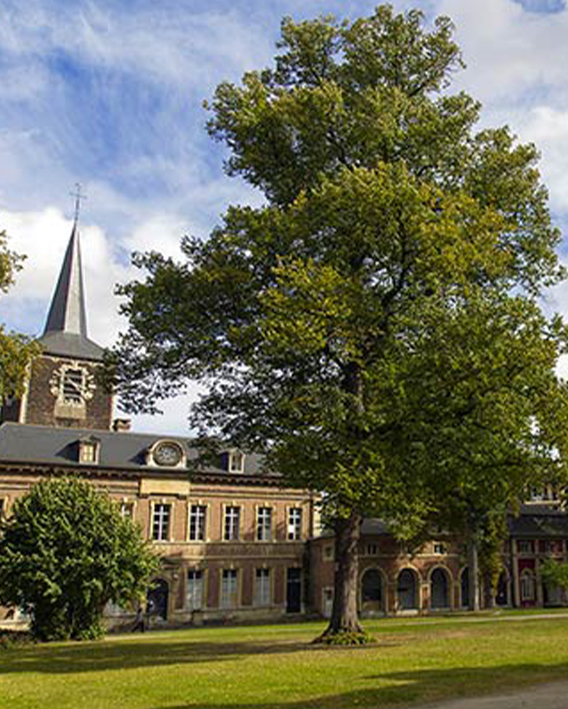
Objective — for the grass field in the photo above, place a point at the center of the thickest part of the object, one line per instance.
(413, 661)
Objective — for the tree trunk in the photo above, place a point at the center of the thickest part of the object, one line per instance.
(473, 569)
(344, 618)
(489, 591)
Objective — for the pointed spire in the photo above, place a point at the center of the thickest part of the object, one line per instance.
(67, 312)
(66, 327)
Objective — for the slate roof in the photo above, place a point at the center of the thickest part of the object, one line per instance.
(66, 327)
(28, 444)
(539, 524)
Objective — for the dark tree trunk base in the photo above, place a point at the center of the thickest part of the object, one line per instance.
(344, 637)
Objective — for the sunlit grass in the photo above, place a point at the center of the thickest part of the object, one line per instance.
(262, 667)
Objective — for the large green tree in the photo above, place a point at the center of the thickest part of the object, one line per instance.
(65, 552)
(373, 328)
(16, 351)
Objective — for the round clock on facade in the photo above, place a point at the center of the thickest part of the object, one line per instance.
(167, 454)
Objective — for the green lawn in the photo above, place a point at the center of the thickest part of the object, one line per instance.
(263, 667)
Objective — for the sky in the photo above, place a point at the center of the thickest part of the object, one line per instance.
(110, 95)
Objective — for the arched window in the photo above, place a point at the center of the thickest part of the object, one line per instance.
(527, 585)
(439, 589)
(372, 590)
(407, 590)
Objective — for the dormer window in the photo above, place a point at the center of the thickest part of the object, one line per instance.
(89, 450)
(236, 462)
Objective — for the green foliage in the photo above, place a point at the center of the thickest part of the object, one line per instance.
(374, 328)
(554, 573)
(65, 552)
(345, 638)
(16, 351)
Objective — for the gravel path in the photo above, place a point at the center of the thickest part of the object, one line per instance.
(553, 695)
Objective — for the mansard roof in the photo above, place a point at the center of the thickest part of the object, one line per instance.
(46, 446)
(65, 331)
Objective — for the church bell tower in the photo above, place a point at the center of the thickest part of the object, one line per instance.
(62, 389)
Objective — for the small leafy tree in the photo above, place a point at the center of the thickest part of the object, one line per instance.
(16, 351)
(65, 552)
(555, 573)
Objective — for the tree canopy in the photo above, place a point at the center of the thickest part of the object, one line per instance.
(374, 327)
(16, 351)
(65, 552)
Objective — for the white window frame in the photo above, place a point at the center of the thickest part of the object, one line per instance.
(127, 509)
(236, 462)
(229, 518)
(229, 588)
(195, 592)
(262, 587)
(295, 520)
(264, 523)
(200, 522)
(161, 536)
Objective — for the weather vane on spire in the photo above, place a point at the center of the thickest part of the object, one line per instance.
(78, 197)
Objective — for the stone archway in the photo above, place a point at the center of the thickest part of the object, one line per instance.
(439, 589)
(157, 599)
(407, 590)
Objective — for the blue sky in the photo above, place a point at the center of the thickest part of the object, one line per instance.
(110, 94)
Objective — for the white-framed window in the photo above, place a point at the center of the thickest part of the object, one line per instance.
(262, 587)
(161, 522)
(127, 509)
(294, 524)
(264, 524)
(371, 549)
(440, 548)
(232, 523)
(525, 546)
(195, 589)
(197, 520)
(527, 585)
(229, 588)
(236, 462)
(88, 451)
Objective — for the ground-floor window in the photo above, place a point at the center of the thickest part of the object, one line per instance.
(527, 585)
(407, 590)
(229, 588)
(439, 589)
(372, 590)
(262, 587)
(194, 589)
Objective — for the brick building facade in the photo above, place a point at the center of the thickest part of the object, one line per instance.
(235, 543)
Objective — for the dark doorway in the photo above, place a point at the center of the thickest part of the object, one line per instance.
(406, 589)
(502, 595)
(157, 599)
(294, 591)
(372, 590)
(439, 596)
(465, 588)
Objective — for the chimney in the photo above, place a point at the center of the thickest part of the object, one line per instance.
(121, 425)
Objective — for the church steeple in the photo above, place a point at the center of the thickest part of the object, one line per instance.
(66, 326)
(67, 312)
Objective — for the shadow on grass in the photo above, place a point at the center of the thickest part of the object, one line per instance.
(418, 687)
(142, 651)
